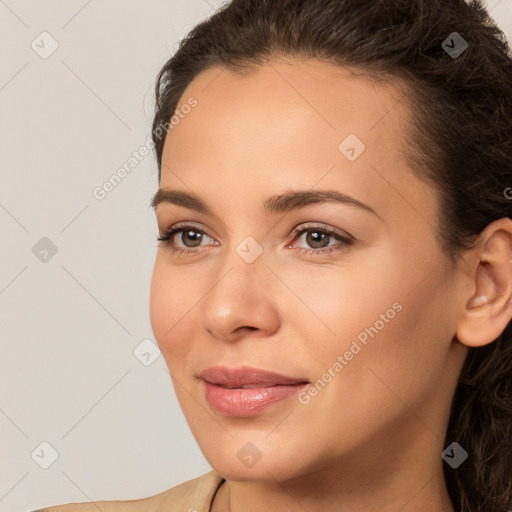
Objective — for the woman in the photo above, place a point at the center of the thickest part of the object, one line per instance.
(332, 287)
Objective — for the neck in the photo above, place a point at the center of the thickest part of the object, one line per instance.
(409, 479)
(404, 493)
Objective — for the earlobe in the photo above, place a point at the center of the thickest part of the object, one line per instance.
(489, 309)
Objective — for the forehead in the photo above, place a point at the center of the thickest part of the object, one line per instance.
(318, 87)
(288, 124)
(290, 101)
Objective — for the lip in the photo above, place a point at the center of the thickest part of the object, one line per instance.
(224, 392)
(246, 375)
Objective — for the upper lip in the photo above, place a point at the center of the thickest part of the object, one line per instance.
(246, 375)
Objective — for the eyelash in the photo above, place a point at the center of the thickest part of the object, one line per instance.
(346, 240)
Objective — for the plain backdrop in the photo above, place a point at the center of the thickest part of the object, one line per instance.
(87, 408)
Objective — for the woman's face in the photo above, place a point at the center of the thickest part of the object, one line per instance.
(368, 323)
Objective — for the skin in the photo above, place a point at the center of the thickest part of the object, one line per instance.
(372, 438)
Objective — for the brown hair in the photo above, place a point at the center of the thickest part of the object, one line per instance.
(459, 141)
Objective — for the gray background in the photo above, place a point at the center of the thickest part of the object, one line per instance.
(69, 324)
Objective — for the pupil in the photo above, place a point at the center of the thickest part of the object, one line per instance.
(194, 235)
(318, 237)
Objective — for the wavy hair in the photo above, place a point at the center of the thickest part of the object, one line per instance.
(459, 141)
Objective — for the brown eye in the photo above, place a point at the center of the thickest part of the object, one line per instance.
(190, 235)
(318, 238)
(189, 240)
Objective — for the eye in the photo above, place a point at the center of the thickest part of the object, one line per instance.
(318, 236)
(189, 235)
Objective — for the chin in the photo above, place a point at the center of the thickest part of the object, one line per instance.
(268, 465)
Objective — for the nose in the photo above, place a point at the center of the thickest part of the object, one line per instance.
(241, 303)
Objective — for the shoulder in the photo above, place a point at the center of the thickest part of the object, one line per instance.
(191, 496)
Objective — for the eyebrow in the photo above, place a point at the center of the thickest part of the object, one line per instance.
(280, 203)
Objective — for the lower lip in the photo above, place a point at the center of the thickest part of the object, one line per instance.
(247, 402)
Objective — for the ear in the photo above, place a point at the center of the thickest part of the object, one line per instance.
(489, 308)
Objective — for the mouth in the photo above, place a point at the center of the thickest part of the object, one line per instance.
(246, 391)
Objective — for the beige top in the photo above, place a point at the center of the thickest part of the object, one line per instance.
(191, 496)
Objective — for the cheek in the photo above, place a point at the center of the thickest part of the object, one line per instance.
(373, 389)
(401, 359)
(333, 307)
(171, 308)
(159, 301)
(382, 325)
